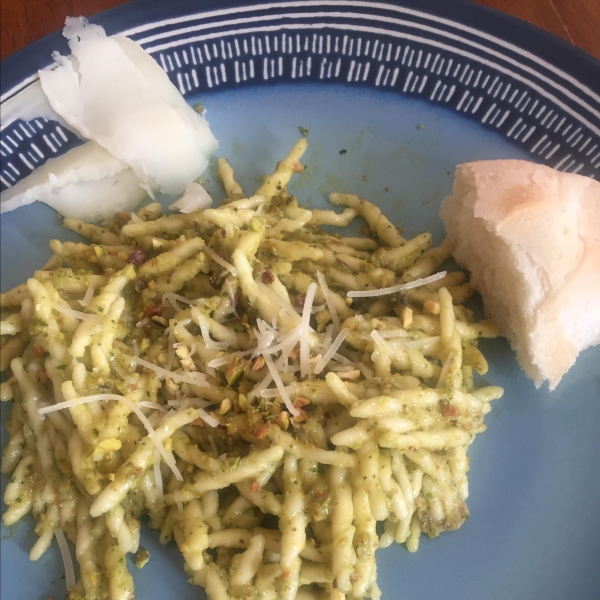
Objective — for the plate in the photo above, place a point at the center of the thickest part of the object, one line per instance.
(394, 95)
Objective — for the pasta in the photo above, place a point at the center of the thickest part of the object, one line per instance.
(264, 391)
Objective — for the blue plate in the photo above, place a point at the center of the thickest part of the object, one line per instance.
(394, 95)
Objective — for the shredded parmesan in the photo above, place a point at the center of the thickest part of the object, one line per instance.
(381, 342)
(397, 288)
(89, 294)
(178, 501)
(192, 378)
(67, 559)
(208, 419)
(74, 313)
(158, 480)
(169, 460)
(365, 370)
(342, 359)
(286, 306)
(339, 340)
(135, 218)
(305, 324)
(445, 369)
(277, 379)
(172, 298)
(274, 393)
(154, 405)
(335, 320)
(143, 322)
(122, 373)
(206, 334)
(220, 261)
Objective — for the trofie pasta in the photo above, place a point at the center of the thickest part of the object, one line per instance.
(264, 391)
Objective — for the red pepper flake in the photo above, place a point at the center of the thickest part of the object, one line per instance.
(154, 311)
(254, 487)
(38, 351)
(267, 276)
(170, 275)
(43, 377)
(199, 422)
(137, 257)
(261, 432)
(449, 410)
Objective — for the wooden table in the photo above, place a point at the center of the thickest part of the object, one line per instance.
(577, 21)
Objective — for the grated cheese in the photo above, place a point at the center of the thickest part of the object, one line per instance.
(74, 313)
(445, 369)
(208, 342)
(220, 261)
(172, 298)
(169, 460)
(305, 324)
(381, 342)
(192, 378)
(158, 480)
(154, 405)
(122, 373)
(339, 340)
(208, 419)
(397, 288)
(273, 393)
(365, 370)
(89, 294)
(277, 379)
(67, 559)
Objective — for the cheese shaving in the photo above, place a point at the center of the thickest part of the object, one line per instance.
(191, 378)
(158, 480)
(335, 320)
(154, 405)
(445, 369)
(172, 298)
(208, 419)
(220, 261)
(339, 340)
(122, 373)
(273, 393)
(382, 343)
(67, 559)
(208, 342)
(305, 324)
(397, 288)
(135, 218)
(73, 313)
(277, 379)
(365, 370)
(169, 460)
(89, 294)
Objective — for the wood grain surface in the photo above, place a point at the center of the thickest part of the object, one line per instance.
(577, 21)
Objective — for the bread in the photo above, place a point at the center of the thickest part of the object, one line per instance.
(530, 236)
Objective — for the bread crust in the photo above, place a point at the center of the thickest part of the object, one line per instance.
(530, 235)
